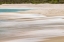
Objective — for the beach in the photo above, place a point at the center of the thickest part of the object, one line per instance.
(45, 9)
(41, 23)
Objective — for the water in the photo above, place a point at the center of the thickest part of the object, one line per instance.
(31, 31)
(12, 10)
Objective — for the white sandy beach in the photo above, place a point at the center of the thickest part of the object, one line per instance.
(36, 25)
(36, 6)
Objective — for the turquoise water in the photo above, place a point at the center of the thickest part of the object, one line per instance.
(12, 10)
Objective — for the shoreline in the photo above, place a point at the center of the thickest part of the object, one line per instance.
(45, 9)
(48, 21)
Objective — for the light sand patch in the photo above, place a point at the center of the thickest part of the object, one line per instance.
(47, 12)
(37, 6)
(55, 39)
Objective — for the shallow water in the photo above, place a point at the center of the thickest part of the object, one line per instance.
(30, 31)
(12, 10)
(11, 28)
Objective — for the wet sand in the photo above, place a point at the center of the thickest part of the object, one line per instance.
(55, 39)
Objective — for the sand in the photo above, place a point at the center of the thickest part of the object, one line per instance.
(47, 12)
(55, 39)
(36, 6)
